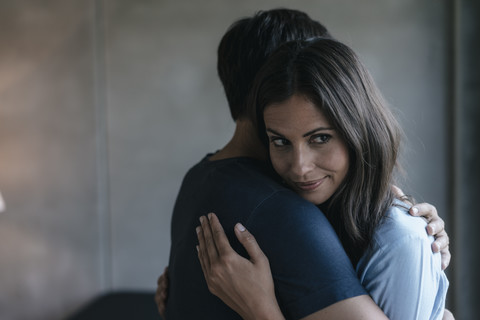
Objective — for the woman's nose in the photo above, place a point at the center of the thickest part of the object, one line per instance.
(302, 162)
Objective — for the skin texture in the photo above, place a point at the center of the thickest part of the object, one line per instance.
(305, 149)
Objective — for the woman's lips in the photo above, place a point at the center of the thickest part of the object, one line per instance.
(309, 185)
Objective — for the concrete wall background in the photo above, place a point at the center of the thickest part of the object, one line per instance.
(104, 105)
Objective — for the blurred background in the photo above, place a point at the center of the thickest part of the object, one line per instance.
(105, 104)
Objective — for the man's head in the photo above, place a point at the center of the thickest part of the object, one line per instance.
(247, 44)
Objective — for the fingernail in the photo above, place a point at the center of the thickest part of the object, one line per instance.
(240, 227)
(201, 219)
(431, 230)
(415, 210)
(198, 229)
(210, 216)
(198, 250)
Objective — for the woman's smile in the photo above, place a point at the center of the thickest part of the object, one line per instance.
(309, 185)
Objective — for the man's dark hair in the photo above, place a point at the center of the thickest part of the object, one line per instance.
(247, 44)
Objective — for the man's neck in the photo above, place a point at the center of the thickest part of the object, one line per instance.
(244, 143)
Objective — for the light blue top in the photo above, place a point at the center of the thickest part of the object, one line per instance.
(400, 271)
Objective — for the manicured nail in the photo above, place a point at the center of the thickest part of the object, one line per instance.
(198, 229)
(201, 219)
(210, 216)
(415, 210)
(240, 227)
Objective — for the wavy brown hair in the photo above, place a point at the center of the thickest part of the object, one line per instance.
(330, 75)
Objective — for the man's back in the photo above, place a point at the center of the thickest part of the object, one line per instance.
(304, 260)
(223, 187)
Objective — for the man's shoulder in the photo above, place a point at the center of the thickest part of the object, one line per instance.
(233, 174)
(232, 188)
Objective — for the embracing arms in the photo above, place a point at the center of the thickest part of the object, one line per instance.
(259, 273)
(246, 285)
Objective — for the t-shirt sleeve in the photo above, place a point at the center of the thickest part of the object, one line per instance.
(404, 277)
(309, 265)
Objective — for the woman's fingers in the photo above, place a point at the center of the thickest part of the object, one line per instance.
(441, 241)
(441, 244)
(202, 248)
(218, 236)
(213, 240)
(248, 241)
(209, 242)
(446, 257)
(425, 210)
(435, 225)
(436, 228)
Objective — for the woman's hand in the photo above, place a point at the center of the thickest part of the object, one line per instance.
(161, 293)
(244, 285)
(435, 227)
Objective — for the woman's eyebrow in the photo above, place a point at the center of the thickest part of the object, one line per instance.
(304, 135)
(274, 132)
(317, 129)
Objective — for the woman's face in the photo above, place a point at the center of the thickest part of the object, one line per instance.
(305, 150)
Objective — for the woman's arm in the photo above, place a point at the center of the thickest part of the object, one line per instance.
(247, 285)
(429, 212)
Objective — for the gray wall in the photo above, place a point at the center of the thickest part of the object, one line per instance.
(104, 105)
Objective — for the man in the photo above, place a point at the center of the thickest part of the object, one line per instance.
(238, 185)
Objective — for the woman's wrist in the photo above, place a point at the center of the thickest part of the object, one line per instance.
(266, 311)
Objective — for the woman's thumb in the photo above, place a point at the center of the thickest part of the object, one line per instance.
(249, 242)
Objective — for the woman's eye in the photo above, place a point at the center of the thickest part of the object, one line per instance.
(278, 142)
(321, 138)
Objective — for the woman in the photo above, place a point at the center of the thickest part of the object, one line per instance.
(333, 140)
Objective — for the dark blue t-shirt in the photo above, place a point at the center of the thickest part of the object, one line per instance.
(309, 266)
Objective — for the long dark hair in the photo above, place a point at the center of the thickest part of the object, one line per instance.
(329, 74)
